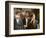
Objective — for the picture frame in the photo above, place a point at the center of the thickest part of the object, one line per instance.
(9, 23)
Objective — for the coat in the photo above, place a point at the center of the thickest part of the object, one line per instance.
(20, 24)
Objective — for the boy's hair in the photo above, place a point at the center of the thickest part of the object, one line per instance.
(17, 12)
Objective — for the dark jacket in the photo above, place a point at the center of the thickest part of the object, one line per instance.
(18, 25)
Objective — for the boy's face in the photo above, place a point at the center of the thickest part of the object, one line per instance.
(17, 15)
(23, 13)
(27, 15)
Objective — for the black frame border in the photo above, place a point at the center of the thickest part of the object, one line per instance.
(7, 18)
